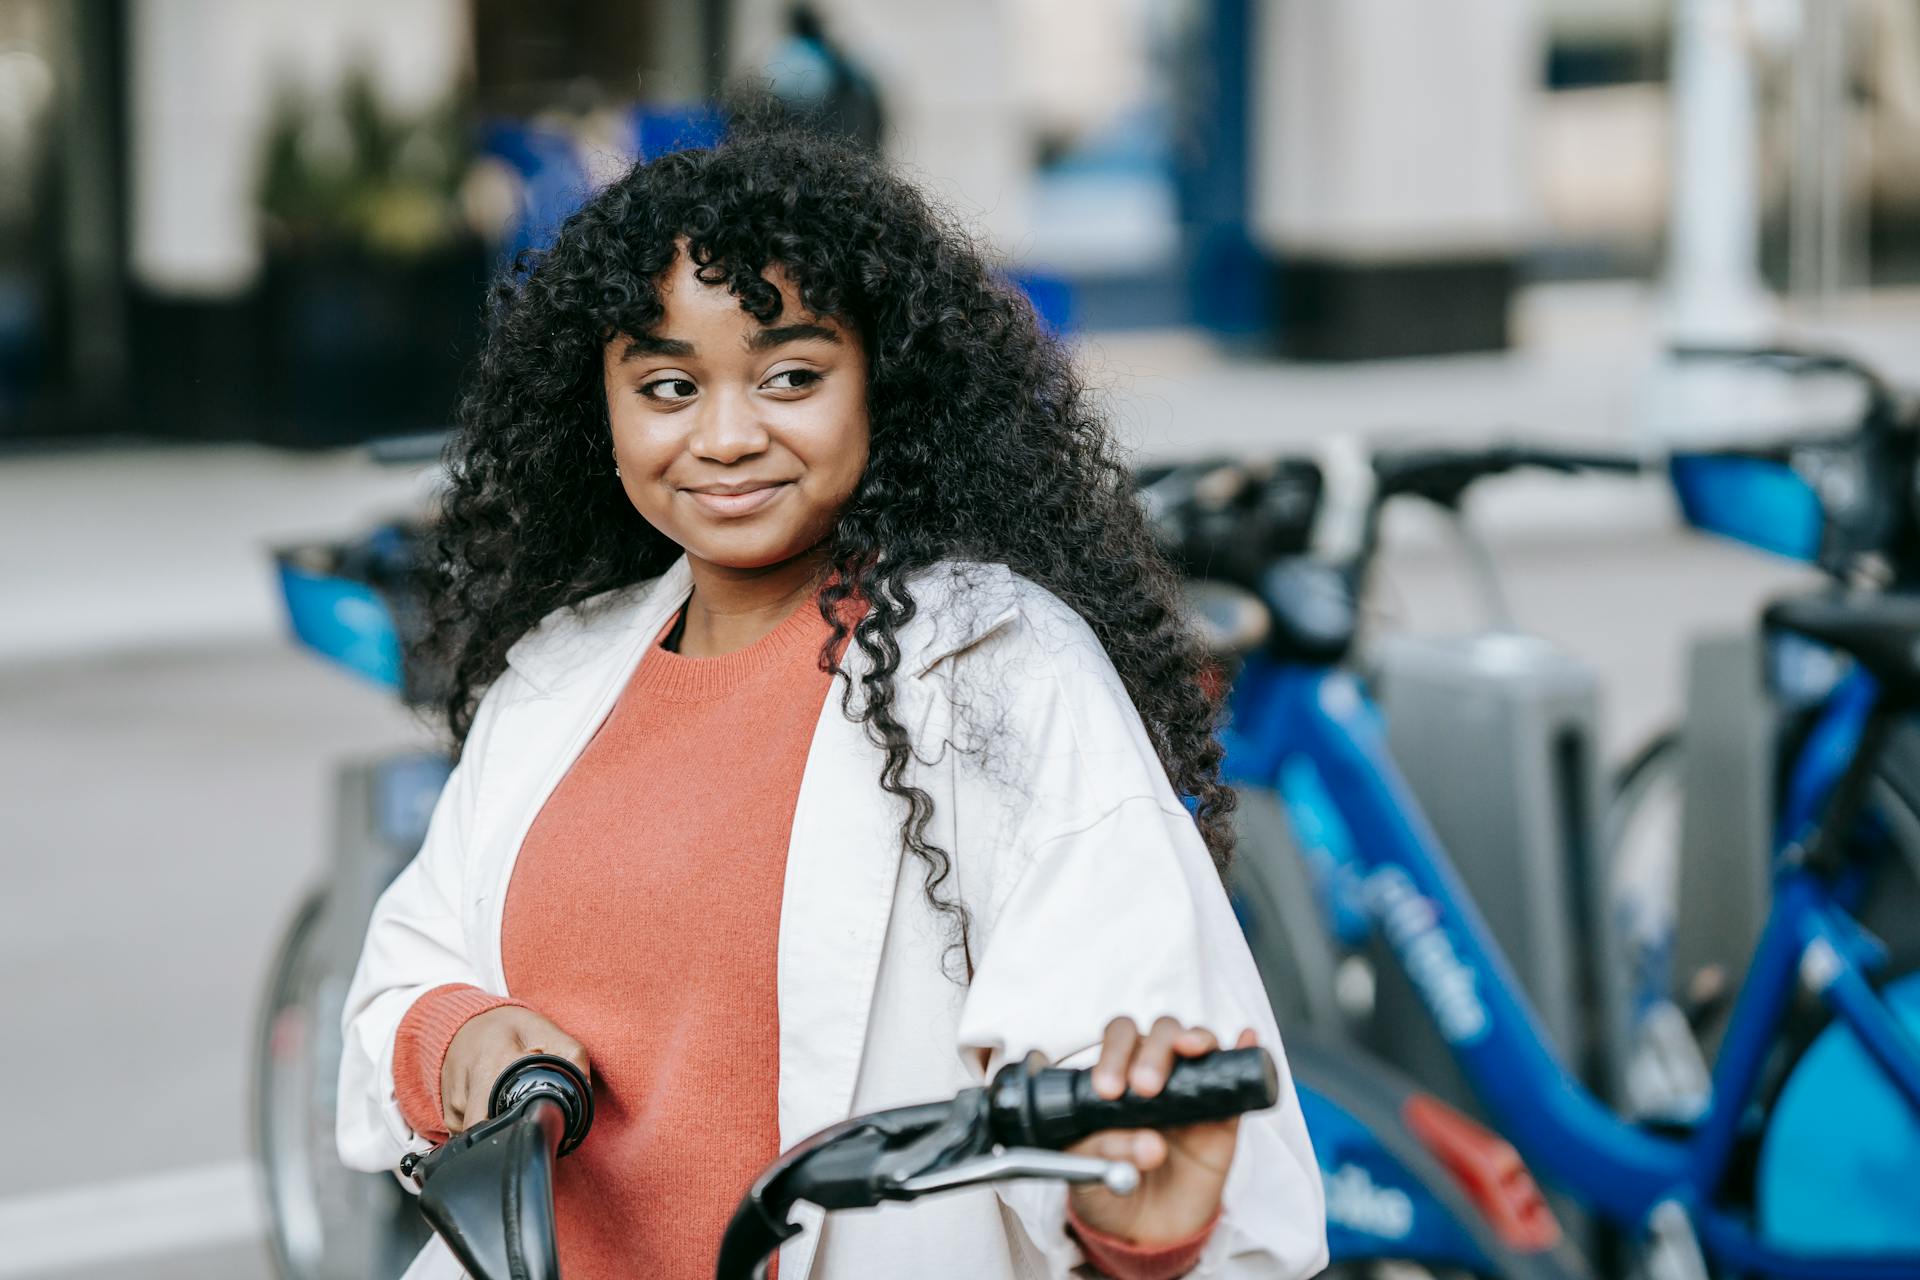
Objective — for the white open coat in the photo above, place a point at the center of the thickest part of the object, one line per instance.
(1091, 895)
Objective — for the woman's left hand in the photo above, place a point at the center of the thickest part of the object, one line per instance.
(1183, 1170)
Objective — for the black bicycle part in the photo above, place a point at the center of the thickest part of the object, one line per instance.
(488, 1191)
(547, 1074)
(1376, 1096)
(1880, 631)
(1226, 519)
(1054, 1107)
(891, 1155)
(1440, 474)
(1867, 480)
(1882, 408)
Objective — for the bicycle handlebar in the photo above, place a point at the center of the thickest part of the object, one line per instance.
(1055, 1107)
(488, 1191)
(1882, 401)
(1443, 474)
(1011, 1128)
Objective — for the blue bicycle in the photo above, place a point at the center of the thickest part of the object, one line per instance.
(1792, 1111)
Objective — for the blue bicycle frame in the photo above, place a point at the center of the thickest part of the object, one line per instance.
(1318, 719)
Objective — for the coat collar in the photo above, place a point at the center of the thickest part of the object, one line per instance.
(958, 604)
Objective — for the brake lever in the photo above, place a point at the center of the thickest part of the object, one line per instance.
(1117, 1176)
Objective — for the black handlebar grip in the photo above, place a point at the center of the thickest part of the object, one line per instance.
(546, 1074)
(1054, 1107)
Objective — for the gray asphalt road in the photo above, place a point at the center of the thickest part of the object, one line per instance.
(162, 815)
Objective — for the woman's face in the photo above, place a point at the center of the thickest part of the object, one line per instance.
(740, 441)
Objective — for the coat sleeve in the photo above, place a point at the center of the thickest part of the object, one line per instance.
(1126, 915)
(416, 941)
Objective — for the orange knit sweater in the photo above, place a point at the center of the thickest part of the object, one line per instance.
(643, 917)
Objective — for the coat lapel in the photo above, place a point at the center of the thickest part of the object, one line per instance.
(843, 864)
(844, 858)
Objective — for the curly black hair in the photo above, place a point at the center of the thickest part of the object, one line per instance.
(983, 443)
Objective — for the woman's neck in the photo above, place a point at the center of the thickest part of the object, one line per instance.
(732, 608)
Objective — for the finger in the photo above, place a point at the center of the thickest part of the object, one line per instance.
(1247, 1039)
(1108, 1144)
(544, 1037)
(576, 1053)
(462, 1107)
(1195, 1041)
(480, 1088)
(1153, 1059)
(1145, 1149)
(1116, 1052)
(1149, 1150)
(452, 1105)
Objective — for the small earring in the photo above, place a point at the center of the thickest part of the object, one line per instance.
(616, 468)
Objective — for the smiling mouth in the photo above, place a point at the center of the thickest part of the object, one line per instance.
(732, 501)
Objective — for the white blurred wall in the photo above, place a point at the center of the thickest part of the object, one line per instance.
(1395, 128)
(203, 74)
(945, 72)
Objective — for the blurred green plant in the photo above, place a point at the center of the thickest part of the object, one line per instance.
(342, 171)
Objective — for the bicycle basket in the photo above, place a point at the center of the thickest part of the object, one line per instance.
(357, 604)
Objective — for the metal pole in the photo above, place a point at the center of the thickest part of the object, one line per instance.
(1713, 285)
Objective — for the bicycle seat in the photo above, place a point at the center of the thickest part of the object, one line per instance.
(1312, 604)
(1879, 631)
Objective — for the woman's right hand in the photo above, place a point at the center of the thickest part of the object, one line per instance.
(484, 1047)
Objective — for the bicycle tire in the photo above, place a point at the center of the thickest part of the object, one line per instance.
(325, 1221)
(1375, 1094)
(1893, 896)
(1280, 913)
(280, 1034)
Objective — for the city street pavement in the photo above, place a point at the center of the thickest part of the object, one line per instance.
(166, 756)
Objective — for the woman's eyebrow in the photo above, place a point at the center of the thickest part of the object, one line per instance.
(649, 345)
(767, 339)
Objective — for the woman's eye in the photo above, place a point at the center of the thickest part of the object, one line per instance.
(794, 379)
(668, 389)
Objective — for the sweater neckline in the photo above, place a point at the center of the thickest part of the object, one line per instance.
(679, 678)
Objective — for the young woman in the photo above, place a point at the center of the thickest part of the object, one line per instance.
(825, 719)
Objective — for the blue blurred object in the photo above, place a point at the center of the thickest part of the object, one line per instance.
(1228, 279)
(1762, 503)
(1051, 296)
(659, 131)
(553, 180)
(405, 789)
(1840, 1165)
(342, 619)
(552, 167)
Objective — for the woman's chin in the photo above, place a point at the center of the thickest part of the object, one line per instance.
(743, 555)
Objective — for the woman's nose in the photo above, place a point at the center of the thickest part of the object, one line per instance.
(727, 431)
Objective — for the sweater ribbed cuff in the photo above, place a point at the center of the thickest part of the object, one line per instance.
(420, 1050)
(1124, 1260)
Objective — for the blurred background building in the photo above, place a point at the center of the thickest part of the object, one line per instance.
(239, 239)
(221, 219)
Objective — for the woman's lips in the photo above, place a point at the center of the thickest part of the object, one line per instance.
(734, 505)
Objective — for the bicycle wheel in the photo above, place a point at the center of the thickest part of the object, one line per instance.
(327, 1222)
(1640, 832)
(1279, 911)
(1389, 1161)
(1643, 834)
